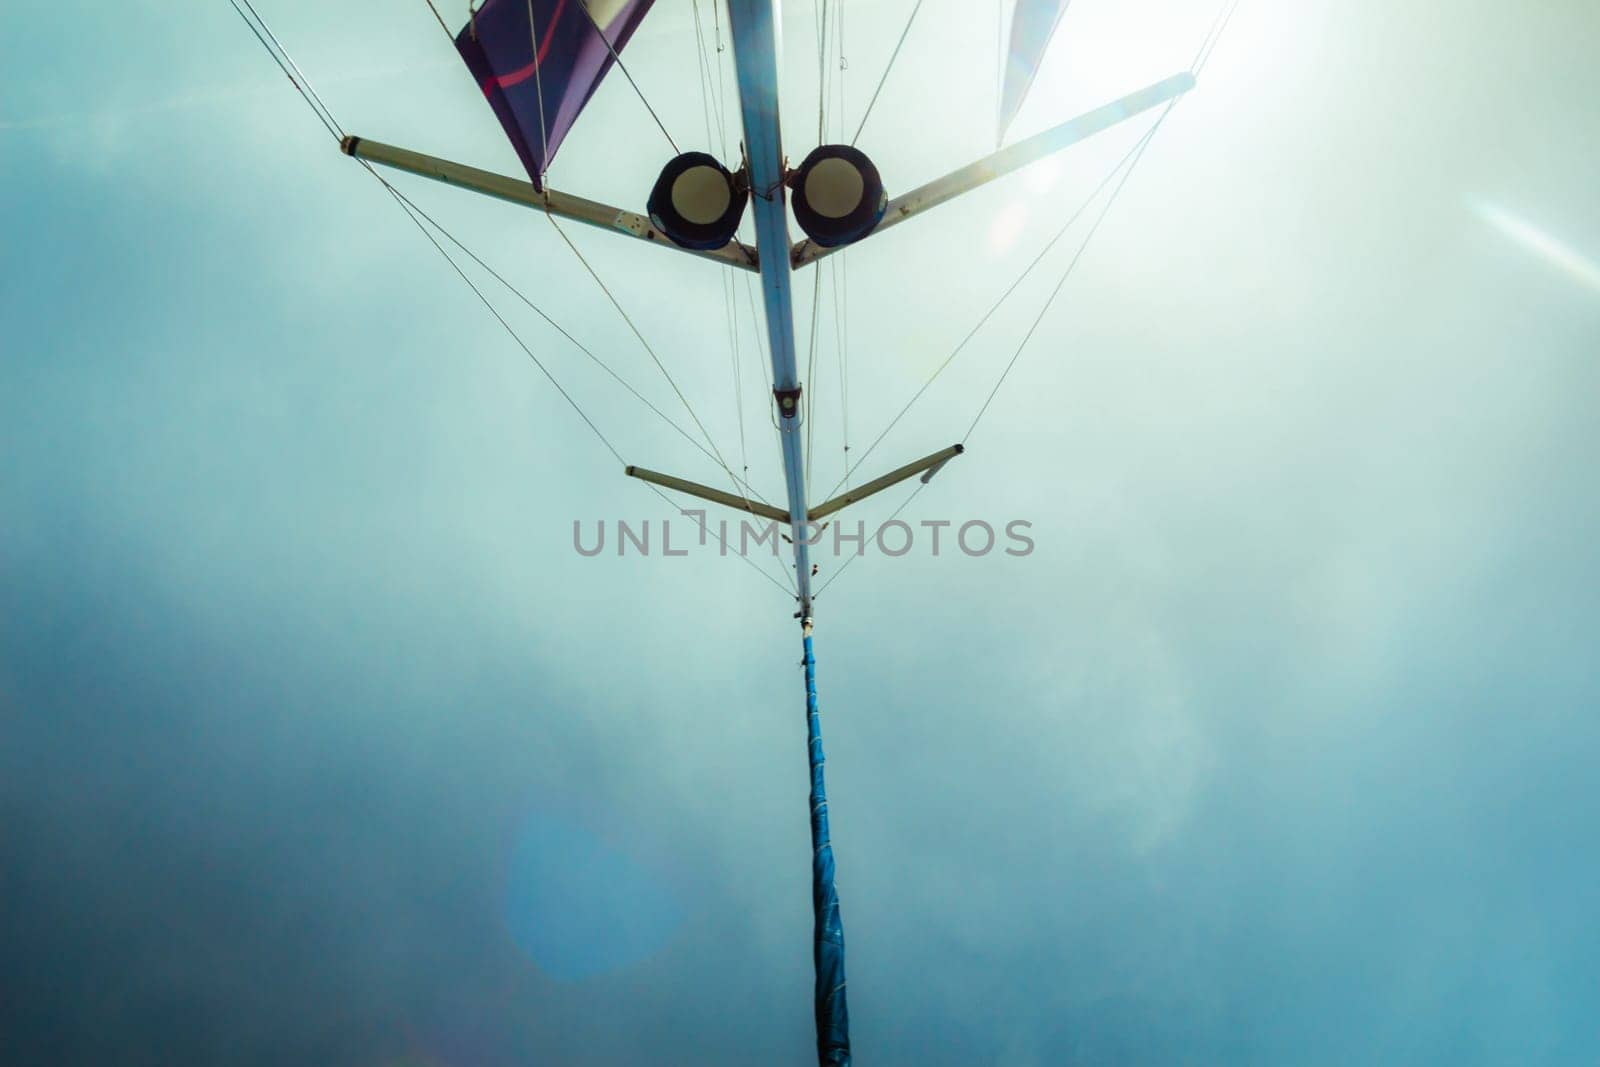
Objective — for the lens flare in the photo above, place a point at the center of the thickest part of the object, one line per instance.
(1576, 265)
(580, 907)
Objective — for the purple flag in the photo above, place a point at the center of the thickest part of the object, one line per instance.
(498, 46)
(1033, 23)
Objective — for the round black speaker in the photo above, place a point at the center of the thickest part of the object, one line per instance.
(838, 196)
(696, 202)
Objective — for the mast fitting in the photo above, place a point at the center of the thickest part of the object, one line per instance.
(788, 402)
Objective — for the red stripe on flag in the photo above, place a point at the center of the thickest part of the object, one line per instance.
(516, 77)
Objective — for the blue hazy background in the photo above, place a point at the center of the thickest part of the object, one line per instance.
(319, 744)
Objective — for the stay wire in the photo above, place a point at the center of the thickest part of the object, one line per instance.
(538, 88)
(723, 463)
(401, 200)
(1131, 160)
(713, 97)
(722, 92)
(790, 591)
(712, 102)
(762, 357)
(994, 307)
(1213, 37)
(842, 294)
(824, 81)
(703, 75)
(846, 564)
(286, 64)
(892, 57)
(320, 104)
(731, 304)
(553, 324)
(1105, 209)
(584, 4)
(404, 203)
(811, 371)
(483, 299)
(1202, 56)
(440, 19)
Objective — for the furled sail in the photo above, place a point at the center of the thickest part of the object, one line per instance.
(539, 62)
(1033, 23)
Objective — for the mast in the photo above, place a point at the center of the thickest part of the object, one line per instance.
(755, 55)
(755, 51)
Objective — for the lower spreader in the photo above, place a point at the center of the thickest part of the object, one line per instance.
(833, 1015)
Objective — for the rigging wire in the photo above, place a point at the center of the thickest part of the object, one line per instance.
(841, 335)
(762, 357)
(287, 65)
(819, 18)
(854, 556)
(714, 101)
(1208, 44)
(722, 94)
(811, 371)
(892, 57)
(824, 83)
(537, 362)
(723, 463)
(402, 200)
(745, 488)
(826, 30)
(584, 4)
(1139, 149)
(994, 307)
(440, 19)
(730, 304)
(841, 296)
(1202, 56)
(711, 93)
(538, 88)
(720, 97)
(841, 292)
(553, 324)
(404, 203)
(1213, 37)
(703, 76)
(722, 539)
(1129, 159)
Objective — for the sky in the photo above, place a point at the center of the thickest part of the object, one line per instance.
(320, 743)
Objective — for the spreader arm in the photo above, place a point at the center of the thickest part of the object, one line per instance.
(705, 492)
(929, 463)
(1009, 159)
(516, 191)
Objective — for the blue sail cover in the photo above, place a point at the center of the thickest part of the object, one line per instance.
(833, 1015)
(1033, 23)
(497, 44)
